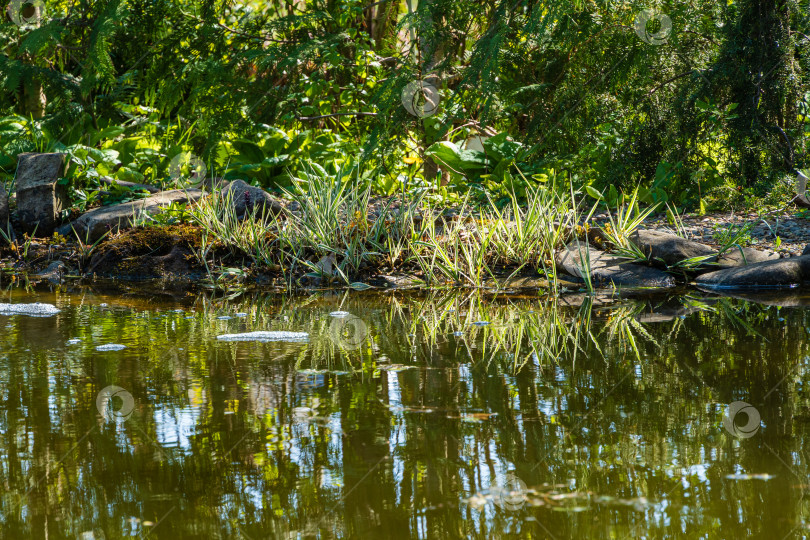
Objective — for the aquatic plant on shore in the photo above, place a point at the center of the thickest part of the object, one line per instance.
(330, 233)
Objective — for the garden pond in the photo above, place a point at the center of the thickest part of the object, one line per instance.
(146, 413)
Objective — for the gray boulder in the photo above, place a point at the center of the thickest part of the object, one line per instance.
(52, 273)
(40, 197)
(671, 249)
(250, 200)
(95, 223)
(606, 269)
(741, 256)
(806, 250)
(765, 275)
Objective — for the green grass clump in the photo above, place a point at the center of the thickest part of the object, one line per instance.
(331, 232)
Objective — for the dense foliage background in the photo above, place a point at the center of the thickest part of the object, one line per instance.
(703, 103)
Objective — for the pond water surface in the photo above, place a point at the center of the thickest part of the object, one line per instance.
(402, 416)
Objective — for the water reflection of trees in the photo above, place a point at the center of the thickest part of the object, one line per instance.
(610, 414)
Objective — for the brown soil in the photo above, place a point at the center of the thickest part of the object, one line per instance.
(150, 252)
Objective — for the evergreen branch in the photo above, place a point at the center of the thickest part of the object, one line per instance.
(309, 118)
(240, 33)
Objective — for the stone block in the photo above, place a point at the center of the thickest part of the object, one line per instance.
(40, 197)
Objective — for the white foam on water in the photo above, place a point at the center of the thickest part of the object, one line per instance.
(111, 347)
(293, 337)
(34, 310)
(339, 314)
(74, 341)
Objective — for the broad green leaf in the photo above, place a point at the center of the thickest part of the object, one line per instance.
(613, 195)
(500, 147)
(110, 132)
(592, 191)
(249, 151)
(465, 161)
(129, 175)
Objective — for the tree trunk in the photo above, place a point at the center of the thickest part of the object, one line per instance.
(758, 70)
(383, 23)
(34, 99)
(433, 54)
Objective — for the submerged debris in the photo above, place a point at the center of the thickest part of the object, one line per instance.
(514, 495)
(396, 367)
(755, 476)
(292, 337)
(34, 310)
(111, 347)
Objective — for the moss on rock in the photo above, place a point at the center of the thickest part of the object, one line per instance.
(150, 252)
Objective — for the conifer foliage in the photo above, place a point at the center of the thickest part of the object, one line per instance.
(717, 95)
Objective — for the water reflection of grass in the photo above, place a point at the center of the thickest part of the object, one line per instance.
(496, 332)
(619, 424)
